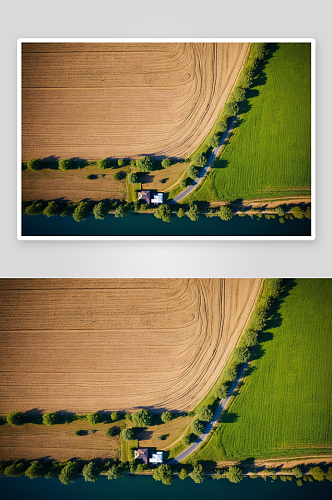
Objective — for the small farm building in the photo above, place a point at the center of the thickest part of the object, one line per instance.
(144, 196)
(158, 198)
(142, 454)
(156, 457)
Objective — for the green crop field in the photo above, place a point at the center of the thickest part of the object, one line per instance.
(268, 153)
(283, 407)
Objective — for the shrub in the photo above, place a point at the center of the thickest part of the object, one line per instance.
(78, 432)
(183, 474)
(222, 392)
(230, 374)
(121, 211)
(90, 176)
(142, 418)
(53, 208)
(34, 164)
(166, 416)
(115, 416)
(197, 427)
(109, 432)
(166, 162)
(102, 164)
(234, 474)
(163, 473)
(128, 417)
(36, 208)
(133, 178)
(90, 472)
(144, 164)
(94, 418)
(117, 176)
(50, 418)
(193, 212)
(199, 160)
(121, 162)
(180, 213)
(81, 211)
(225, 213)
(100, 211)
(163, 212)
(69, 473)
(132, 162)
(193, 172)
(215, 141)
(183, 183)
(231, 109)
(15, 418)
(34, 470)
(186, 441)
(241, 354)
(205, 413)
(65, 164)
(281, 220)
(198, 474)
(15, 470)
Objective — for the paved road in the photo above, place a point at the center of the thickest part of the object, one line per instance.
(204, 170)
(193, 447)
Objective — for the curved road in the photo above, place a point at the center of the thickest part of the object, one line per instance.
(193, 447)
(204, 170)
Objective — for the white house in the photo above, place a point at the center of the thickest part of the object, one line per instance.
(158, 198)
(156, 457)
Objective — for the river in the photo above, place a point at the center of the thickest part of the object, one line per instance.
(148, 225)
(143, 488)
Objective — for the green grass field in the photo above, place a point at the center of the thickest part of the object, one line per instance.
(284, 406)
(269, 151)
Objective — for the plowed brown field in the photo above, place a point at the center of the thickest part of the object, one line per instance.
(105, 344)
(99, 100)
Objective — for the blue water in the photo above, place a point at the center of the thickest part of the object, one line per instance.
(148, 225)
(144, 488)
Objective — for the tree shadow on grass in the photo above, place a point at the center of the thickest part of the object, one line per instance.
(229, 417)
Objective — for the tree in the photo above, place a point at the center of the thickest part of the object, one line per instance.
(222, 126)
(238, 94)
(115, 416)
(109, 432)
(198, 473)
(15, 418)
(121, 211)
(225, 213)
(166, 162)
(133, 178)
(117, 176)
(231, 109)
(222, 392)
(234, 474)
(142, 418)
(199, 160)
(91, 472)
(280, 211)
(54, 470)
(81, 211)
(297, 472)
(128, 434)
(121, 162)
(35, 470)
(50, 418)
(34, 164)
(242, 354)
(100, 211)
(163, 212)
(193, 172)
(183, 474)
(307, 214)
(230, 374)
(53, 208)
(180, 212)
(186, 441)
(115, 472)
(94, 418)
(215, 141)
(128, 416)
(144, 164)
(69, 473)
(35, 208)
(197, 427)
(299, 482)
(250, 337)
(205, 413)
(65, 164)
(68, 209)
(102, 164)
(163, 473)
(132, 162)
(15, 470)
(328, 475)
(183, 183)
(317, 473)
(281, 220)
(166, 416)
(193, 212)
(298, 212)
